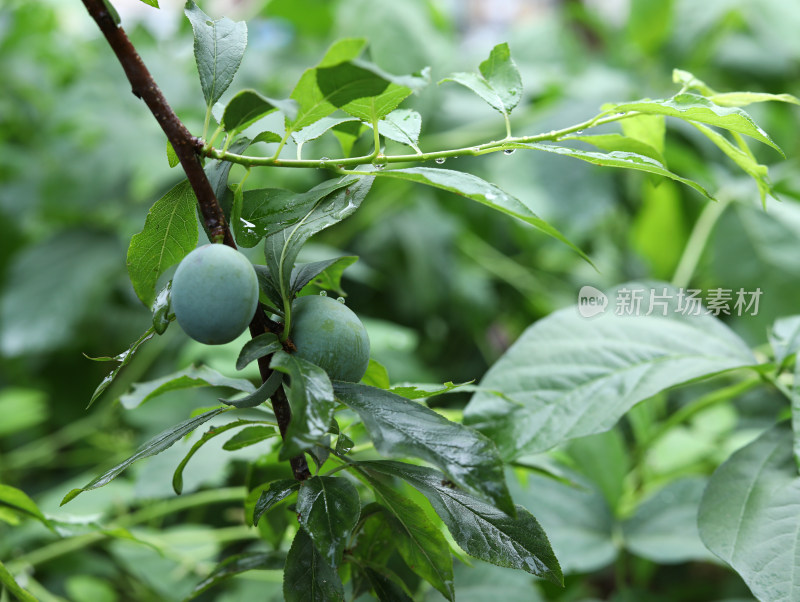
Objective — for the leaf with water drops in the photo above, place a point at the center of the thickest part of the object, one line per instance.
(328, 509)
(123, 358)
(307, 577)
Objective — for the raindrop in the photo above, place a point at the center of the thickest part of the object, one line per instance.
(322, 161)
(340, 300)
(440, 160)
(620, 114)
(323, 293)
(579, 132)
(509, 151)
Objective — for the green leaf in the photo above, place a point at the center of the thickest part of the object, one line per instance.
(426, 391)
(256, 398)
(795, 402)
(277, 492)
(311, 399)
(312, 103)
(386, 588)
(325, 275)
(281, 249)
(742, 99)
(499, 82)
(403, 126)
(750, 515)
(481, 530)
(318, 128)
(161, 309)
(156, 445)
(399, 427)
(263, 344)
(328, 509)
(268, 137)
(784, 337)
(249, 436)
(307, 577)
(616, 142)
(123, 358)
(18, 500)
(169, 234)
(480, 191)
(188, 378)
(218, 49)
(347, 133)
(648, 129)
(240, 563)
(7, 579)
(248, 106)
(153, 3)
(376, 375)
(691, 107)
(177, 476)
(172, 157)
(569, 376)
(619, 159)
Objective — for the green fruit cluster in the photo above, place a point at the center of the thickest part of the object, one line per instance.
(214, 294)
(327, 333)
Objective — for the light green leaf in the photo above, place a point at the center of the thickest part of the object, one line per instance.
(188, 378)
(619, 159)
(480, 191)
(750, 515)
(569, 376)
(648, 129)
(692, 107)
(784, 337)
(248, 106)
(403, 126)
(425, 391)
(153, 3)
(742, 99)
(169, 234)
(399, 427)
(123, 358)
(172, 157)
(616, 142)
(8, 581)
(156, 445)
(318, 128)
(18, 500)
(218, 49)
(325, 275)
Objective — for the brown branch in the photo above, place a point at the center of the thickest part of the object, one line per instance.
(187, 148)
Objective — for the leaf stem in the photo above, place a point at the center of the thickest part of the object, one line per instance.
(697, 242)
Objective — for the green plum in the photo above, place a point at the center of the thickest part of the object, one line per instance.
(327, 333)
(214, 294)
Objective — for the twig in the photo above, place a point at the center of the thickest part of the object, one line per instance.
(187, 148)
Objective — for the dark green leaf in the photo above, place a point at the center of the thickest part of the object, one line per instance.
(218, 49)
(277, 491)
(257, 347)
(481, 530)
(386, 589)
(750, 515)
(616, 159)
(481, 191)
(399, 427)
(692, 107)
(188, 378)
(326, 275)
(169, 234)
(604, 366)
(123, 359)
(499, 82)
(248, 106)
(307, 577)
(328, 509)
(347, 133)
(422, 546)
(260, 395)
(156, 445)
(249, 436)
(234, 565)
(7, 579)
(311, 399)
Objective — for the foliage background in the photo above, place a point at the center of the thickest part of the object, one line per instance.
(445, 286)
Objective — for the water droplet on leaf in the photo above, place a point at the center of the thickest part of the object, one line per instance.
(340, 299)
(509, 151)
(323, 293)
(440, 160)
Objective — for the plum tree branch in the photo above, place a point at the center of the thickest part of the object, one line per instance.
(187, 148)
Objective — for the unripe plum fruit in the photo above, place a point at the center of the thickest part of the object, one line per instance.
(214, 294)
(327, 333)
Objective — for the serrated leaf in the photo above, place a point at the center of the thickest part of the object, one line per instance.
(248, 106)
(749, 515)
(399, 427)
(480, 191)
(403, 126)
(156, 445)
(425, 391)
(480, 529)
(249, 436)
(422, 546)
(277, 492)
(328, 509)
(307, 577)
(268, 137)
(257, 347)
(311, 399)
(172, 157)
(376, 375)
(618, 159)
(318, 128)
(218, 49)
(240, 563)
(692, 107)
(177, 476)
(123, 358)
(259, 396)
(188, 378)
(326, 275)
(386, 588)
(499, 82)
(569, 376)
(616, 142)
(8, 581)
(169, 234)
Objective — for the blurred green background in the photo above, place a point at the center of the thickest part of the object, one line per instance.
(445, 286)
